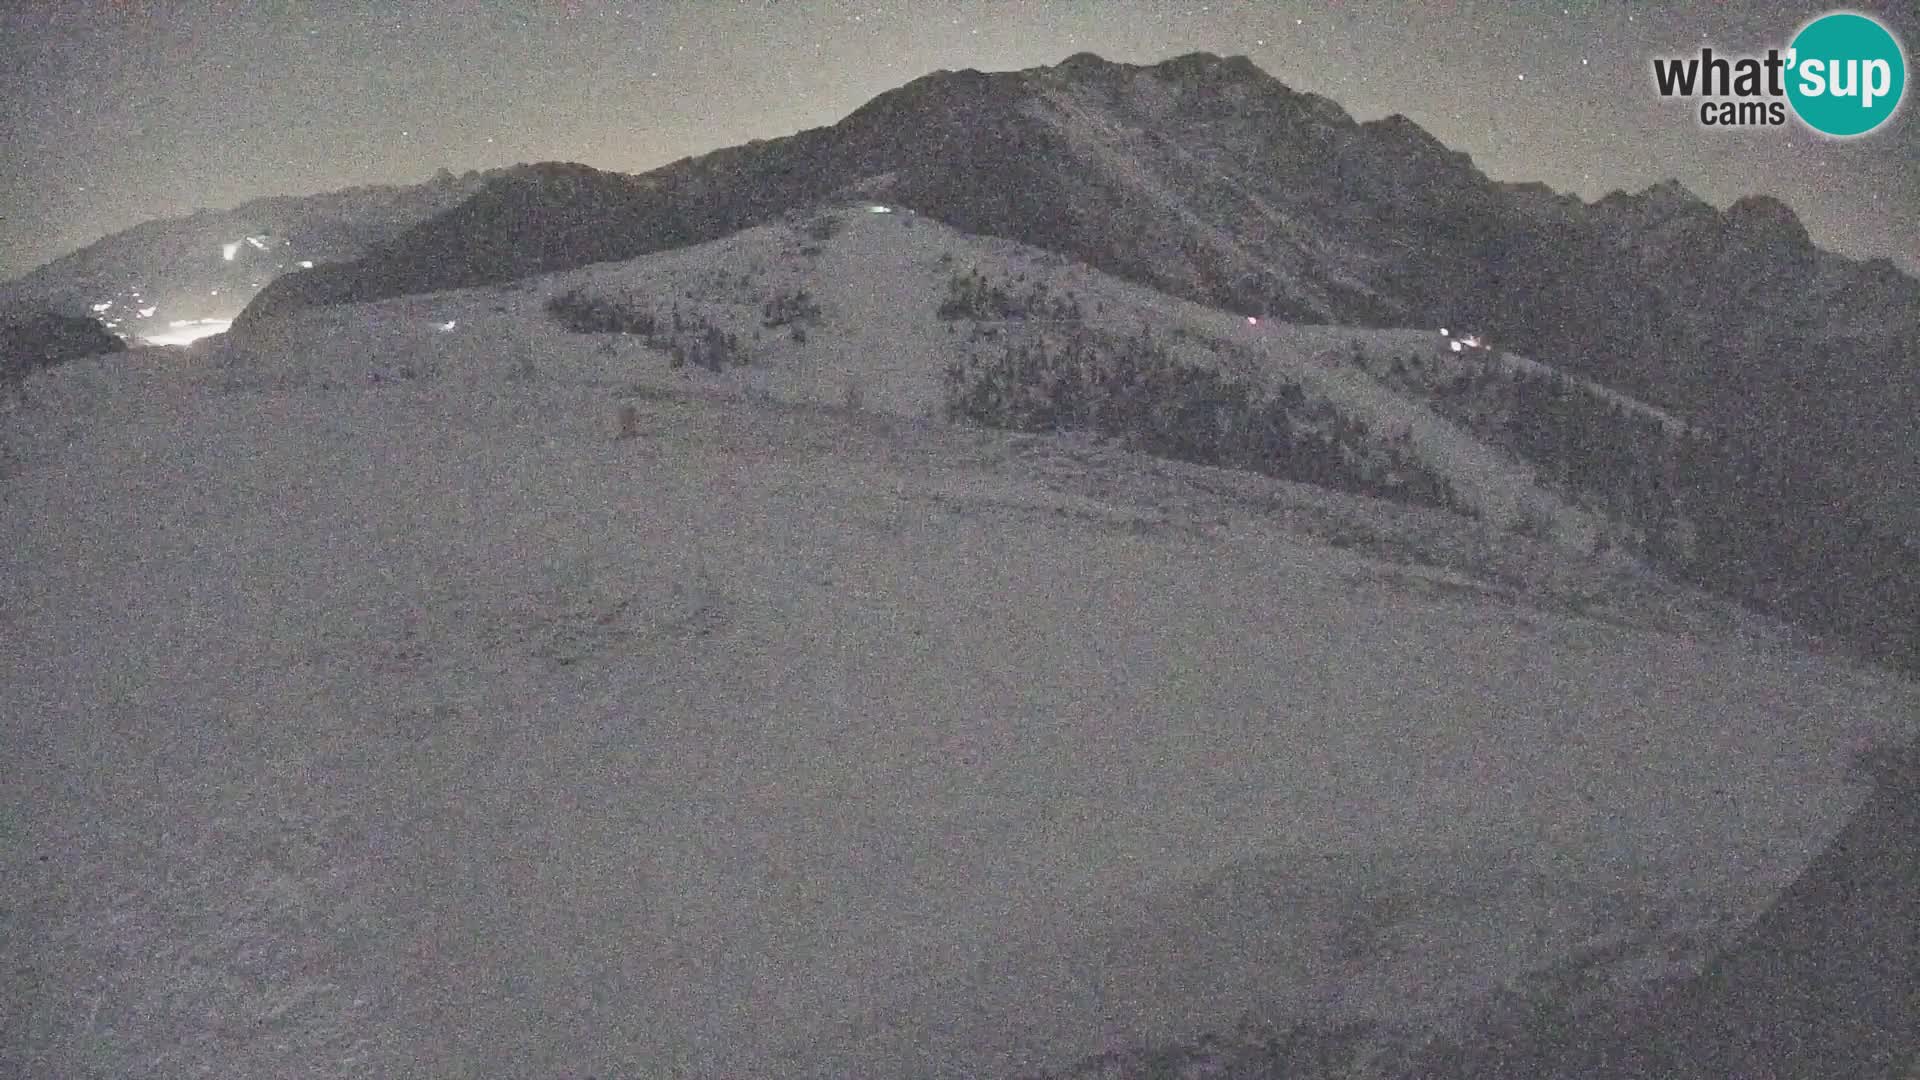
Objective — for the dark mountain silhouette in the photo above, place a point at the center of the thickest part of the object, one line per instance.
(1202, 176)
(1825, 983)
(1208, 179)
(29, 342)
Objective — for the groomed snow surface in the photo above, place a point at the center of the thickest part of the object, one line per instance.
(422, 727)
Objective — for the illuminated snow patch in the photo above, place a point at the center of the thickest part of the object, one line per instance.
(103, 305)
(1251, 321)
(876, 209)
(259, 242)
(227, 251)
(186, 331)
(147, 312)
(306, 264)
(448, 325)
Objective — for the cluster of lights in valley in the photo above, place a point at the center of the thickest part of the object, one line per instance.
(132, 304)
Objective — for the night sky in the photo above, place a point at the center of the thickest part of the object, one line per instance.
(115, 113)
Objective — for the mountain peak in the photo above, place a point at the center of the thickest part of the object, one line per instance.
(1405, 137)
(1207, 64)
(1768, 216)
(1670, 194)
(1085, 61)
(1662, 201)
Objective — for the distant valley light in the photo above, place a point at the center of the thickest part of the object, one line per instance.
(186, 331)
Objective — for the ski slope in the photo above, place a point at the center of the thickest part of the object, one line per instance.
(419, 726)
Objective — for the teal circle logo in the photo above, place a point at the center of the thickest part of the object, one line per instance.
(1846, 74)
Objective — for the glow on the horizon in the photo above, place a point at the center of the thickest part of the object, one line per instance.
(187, 331)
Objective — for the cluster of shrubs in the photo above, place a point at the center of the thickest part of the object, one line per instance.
(973, 296)
(686, 339)
(795, 308)
(702, 344)
(1136, 391)
(1616, 460)
(584, 314)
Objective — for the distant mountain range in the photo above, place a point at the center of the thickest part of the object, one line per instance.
(1207, 179)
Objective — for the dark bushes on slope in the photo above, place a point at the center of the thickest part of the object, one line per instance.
(1617, 460)
(1136, 391)
(686, 339)
(973, 296)
(789, 308)
(584, 314)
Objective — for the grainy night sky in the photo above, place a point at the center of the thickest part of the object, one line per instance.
(114, 113)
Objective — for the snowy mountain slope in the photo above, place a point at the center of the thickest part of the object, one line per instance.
(879, 280)
(1526, 446)
(1204, 177)
(423, 726)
